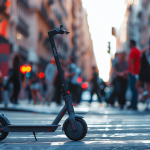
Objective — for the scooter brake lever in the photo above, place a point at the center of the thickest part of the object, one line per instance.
(67, 32)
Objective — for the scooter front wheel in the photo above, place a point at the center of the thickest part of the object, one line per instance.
(3, 135)
(81, 130)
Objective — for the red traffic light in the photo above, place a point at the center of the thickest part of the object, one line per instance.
(79, 79)
(23, 69)
(28, 68)
(84, 85)
(41, 75)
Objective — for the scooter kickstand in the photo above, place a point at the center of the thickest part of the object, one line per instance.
(34, 136)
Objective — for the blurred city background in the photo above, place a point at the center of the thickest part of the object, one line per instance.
(105, 60)
(100, 33)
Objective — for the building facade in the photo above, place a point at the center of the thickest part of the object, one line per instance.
(136, 24)
(19, 28)
(26, 25)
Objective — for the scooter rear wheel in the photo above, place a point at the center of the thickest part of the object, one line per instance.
(81, 130)
(3, 135)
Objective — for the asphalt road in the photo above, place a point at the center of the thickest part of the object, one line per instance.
(112, 131)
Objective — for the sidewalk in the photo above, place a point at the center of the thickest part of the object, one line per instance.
(83, 108)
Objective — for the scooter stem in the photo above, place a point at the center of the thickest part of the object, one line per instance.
(66, 96)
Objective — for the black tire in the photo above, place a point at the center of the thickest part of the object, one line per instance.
(81, 131)
(3, 135)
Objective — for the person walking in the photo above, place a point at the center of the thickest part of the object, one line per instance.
(95, 86)
(50, 72)
(113, 81)
(57, 82)
(72, 80)
(102, 86)
(134, 61)
(144, 75)
(34, 86)
(15, 78)
(121, 73)
(75, 86)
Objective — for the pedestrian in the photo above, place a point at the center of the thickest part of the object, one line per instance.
(50, 72)
(57, 82)
(15, 78)
(144, 75)
(134, 61)
(27, 88)
(121, 73)
(34, 86)
(74, 85)
(102, 86)
(113, 82)
(44, 87)
(95, 86)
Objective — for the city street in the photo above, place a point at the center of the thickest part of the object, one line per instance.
(91, 58)
(117, 130)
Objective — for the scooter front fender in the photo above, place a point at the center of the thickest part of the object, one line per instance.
(76, 116)
(2, 116)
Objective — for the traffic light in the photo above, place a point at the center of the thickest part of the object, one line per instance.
(25, 69)
(109, 48)
(28, 68)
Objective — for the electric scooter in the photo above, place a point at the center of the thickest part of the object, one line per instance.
(74, 126)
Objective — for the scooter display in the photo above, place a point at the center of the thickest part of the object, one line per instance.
(74, 126)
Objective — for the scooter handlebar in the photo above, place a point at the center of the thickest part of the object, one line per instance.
(54, 32)
(61, 31)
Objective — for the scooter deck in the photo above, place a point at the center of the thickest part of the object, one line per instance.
(30, 128)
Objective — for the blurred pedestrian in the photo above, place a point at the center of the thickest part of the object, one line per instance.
(121, 73)
(134, 61)
(74, 85)
(57, 81)
(26, 82)
(144, 75)
(44, 87)
(29, 94)
(1, 84)
(113, 81)
(15, 78)
(34, 86)
(50, 72)
(95, 86)
(102, 86)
